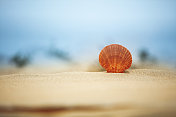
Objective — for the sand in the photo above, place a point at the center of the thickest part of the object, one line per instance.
(136, 93)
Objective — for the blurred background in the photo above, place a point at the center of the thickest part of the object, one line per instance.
(68, 35)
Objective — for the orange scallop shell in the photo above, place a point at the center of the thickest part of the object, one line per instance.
(115, 58)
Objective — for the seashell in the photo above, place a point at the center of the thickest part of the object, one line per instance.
(115, 58)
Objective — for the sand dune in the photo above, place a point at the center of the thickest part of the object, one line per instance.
(139, 92)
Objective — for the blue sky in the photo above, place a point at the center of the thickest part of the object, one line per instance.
(84, 27)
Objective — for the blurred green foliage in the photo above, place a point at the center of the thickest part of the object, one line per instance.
(20, 60)
(59, 54)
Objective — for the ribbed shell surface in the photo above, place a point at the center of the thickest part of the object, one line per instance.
(115, 58)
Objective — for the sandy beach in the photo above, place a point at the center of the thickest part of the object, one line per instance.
(136, 93)
(87, 58)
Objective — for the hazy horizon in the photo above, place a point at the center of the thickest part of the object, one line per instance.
(83, 28)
